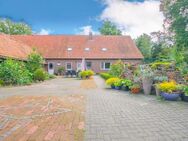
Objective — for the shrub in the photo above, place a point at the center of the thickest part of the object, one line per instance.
(51, 76)
(86, 74)
(1, 83)
(117, 69)
(61, 70)
(106, 75)
(165, 65)
(40, 75)
(118, 83)
(168, 87)
(14, 73)
(34, 61)
(185, 90)
(127, 83)
(111, 81)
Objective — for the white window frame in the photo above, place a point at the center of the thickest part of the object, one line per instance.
(67, 64)
(86, 65)
(103, 65)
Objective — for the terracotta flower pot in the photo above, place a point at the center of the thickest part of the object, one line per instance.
(135, 90)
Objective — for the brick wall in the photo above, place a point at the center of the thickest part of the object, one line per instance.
(96, 64)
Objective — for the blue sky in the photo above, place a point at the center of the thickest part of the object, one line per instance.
(66, 16)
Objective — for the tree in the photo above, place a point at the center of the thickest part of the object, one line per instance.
(179, 15)
(9, 27)
(144, 43)
(108, 28)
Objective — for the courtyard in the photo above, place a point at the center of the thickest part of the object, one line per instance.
(67, 109)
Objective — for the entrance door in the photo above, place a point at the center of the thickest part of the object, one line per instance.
(51, 68)
(79, 66)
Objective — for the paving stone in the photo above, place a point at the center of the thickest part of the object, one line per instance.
(121, 116)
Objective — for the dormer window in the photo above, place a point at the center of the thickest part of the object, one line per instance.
(104, 49)
(87, 49)
(69, 49)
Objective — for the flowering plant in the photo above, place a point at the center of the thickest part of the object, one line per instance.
(168, 87)
(112, 81)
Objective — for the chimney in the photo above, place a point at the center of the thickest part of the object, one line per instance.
(90, 35)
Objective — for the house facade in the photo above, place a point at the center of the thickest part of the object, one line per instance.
(69, 51)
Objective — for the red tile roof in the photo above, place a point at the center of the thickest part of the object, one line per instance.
(13, 49)
(55, 46)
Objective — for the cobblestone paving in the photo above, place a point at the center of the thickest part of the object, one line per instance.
(52, 112)
(118, 116)
(110, 115)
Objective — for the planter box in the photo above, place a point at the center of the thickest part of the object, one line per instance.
(170, 97)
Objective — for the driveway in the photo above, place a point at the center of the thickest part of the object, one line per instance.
(72, 106)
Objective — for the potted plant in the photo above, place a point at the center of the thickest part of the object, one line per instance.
(127, 83)
(146, 74)
(135, 89)
(61, 70)
(157, 80)
(169, 90)
(111, 82)
(118, 85)
(184, 96)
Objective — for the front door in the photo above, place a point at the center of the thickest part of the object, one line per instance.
(51, 68)
(79, 66)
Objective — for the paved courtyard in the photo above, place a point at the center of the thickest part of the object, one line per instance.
(65, 109)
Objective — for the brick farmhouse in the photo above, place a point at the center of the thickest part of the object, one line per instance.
(99, 52)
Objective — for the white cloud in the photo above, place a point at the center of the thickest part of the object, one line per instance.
(134, 18)
(44, 32)
(85, 30)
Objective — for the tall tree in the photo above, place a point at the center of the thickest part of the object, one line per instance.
(108, 28)
(144, 43)
(14, 28)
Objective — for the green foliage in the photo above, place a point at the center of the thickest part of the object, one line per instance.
(86, 74)
(1, 83)
(156, 65)
(144, 43)
(106, 75)
(160, 52)
(9, 27)
(40, 75)
(109, 28)
(146, 72)
(185, 90)
(178, 12)
(61, 70)
(135, 86)
(14, 72)
(118, 83)
(117, 69)
(51, 76)
(127, 83)
(34, 62)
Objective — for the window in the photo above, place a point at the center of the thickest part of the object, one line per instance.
(69, 49)
(87, 49)
(105, 65)
(68, 66)
(88, 65)
(104, 49)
